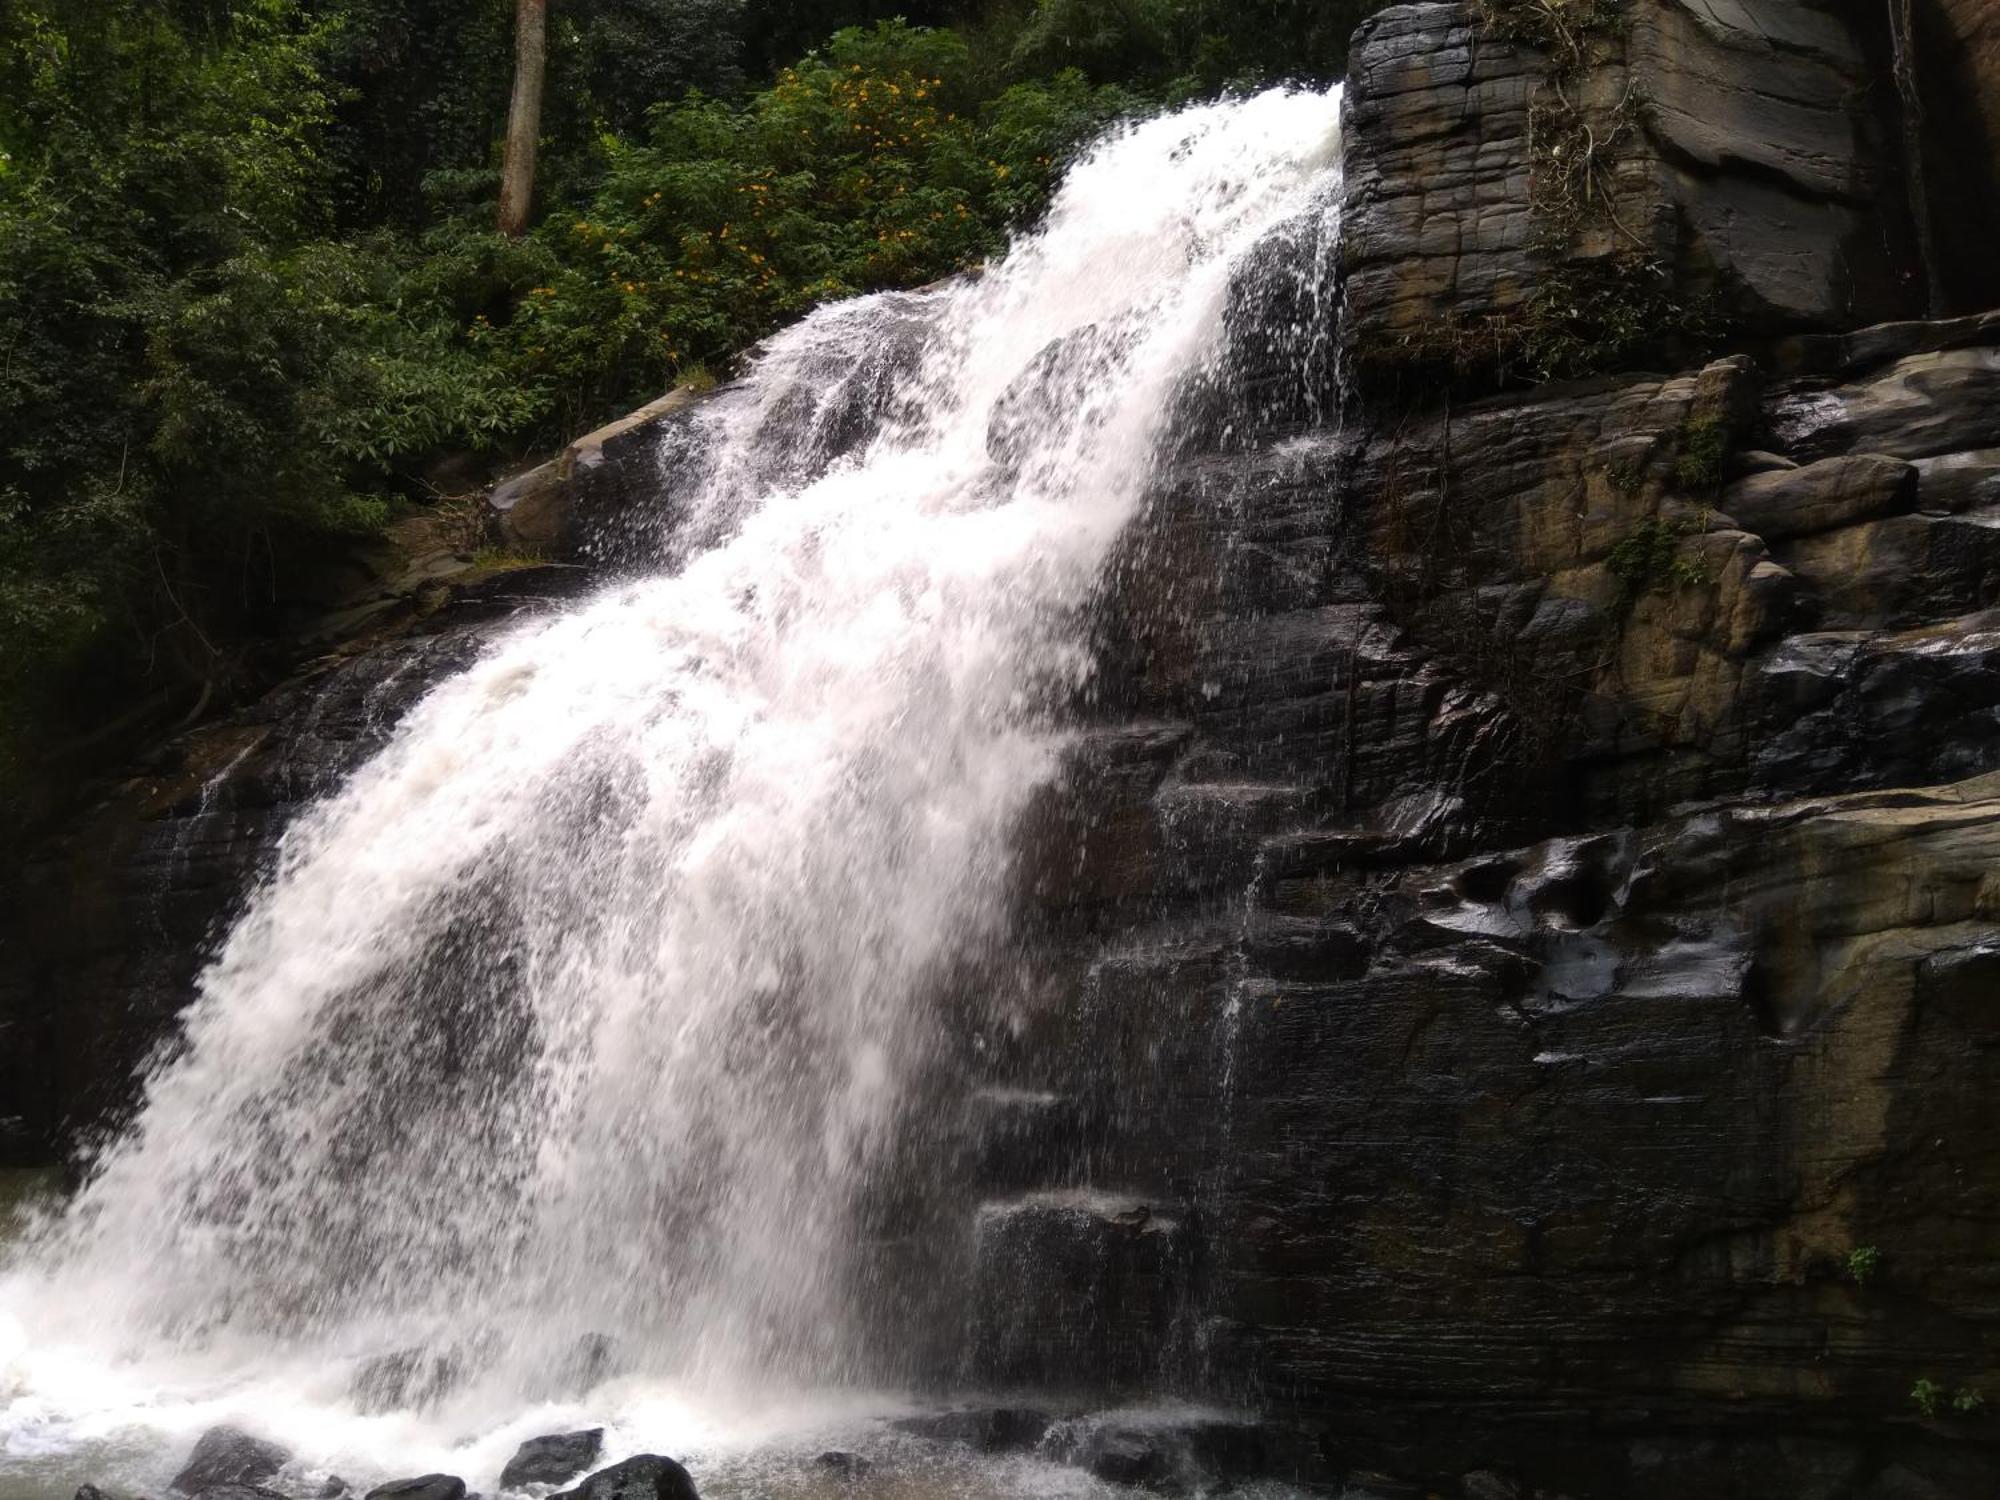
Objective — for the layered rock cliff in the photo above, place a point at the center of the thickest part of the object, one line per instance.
(1507, 986)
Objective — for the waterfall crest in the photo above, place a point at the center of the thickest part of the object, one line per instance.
(589, 1006)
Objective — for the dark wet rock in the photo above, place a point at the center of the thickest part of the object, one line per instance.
(408, 1380)
(1129, 1458)
(647, 1477)
(1822, 496)
(600, 479)
(1171, 1455)
(228, 1455)
(1740, 151)
(587, 1363)
(1484, 1484)
(424, 1487)
(1919, 407)
(553, 1459)
(1092, 1282)
(334, 1487)
(1052, 387)
(89, 1492)
(985, 1429)
(843, 1465)
(238, 1492)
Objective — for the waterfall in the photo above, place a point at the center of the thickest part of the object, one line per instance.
(573, 1027)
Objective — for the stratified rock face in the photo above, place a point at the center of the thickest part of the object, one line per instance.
(1742, 145)
(1958, 75)
(113, 921)
(1527, 911)
(1524, 966)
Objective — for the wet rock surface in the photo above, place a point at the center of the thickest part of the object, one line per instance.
(647, 1477)
(995, 1429)
(424, 1487)
(111, 921)
(228, 1455)
(1740, 146)
(553, 1459)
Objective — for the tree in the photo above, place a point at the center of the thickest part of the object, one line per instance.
(524, 115)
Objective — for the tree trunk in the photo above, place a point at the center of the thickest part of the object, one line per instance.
(524, 114)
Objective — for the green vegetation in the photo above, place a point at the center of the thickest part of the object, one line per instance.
(252, 305)
(1704, 450)
(1933, 1400)
(1649, 560)
(1604, 294)
(1862, 1263)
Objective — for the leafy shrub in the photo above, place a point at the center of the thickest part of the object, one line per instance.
(1862, 1264)
(870, 164)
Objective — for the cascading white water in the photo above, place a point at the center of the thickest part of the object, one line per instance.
(587, 1007)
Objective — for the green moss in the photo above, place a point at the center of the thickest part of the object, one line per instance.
(1649, 559)
(1593, 311)
(1862, 1263)
(1627, 476)
(1704, 447)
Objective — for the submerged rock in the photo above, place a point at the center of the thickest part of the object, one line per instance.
(647, 1477)
(409, 1379)
(1172, 1455)
(848, 1466)
(987, 1429)
(228, 1455)
(425, 1487)
(553, 1459)
(238, 1492)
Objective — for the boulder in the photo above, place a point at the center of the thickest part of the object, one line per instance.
(1196, 1453)
(553, 1459)
(843, 1465)
(1120, 1456)
(424, 1487)
(647, 1477)
(238, 1492)
(1822, 496)
(228, 1455)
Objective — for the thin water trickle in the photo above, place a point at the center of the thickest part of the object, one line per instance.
(563, 1041)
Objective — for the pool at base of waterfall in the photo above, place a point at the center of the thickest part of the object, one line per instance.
(844, 1448)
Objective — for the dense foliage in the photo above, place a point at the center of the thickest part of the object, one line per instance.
(251, 299)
